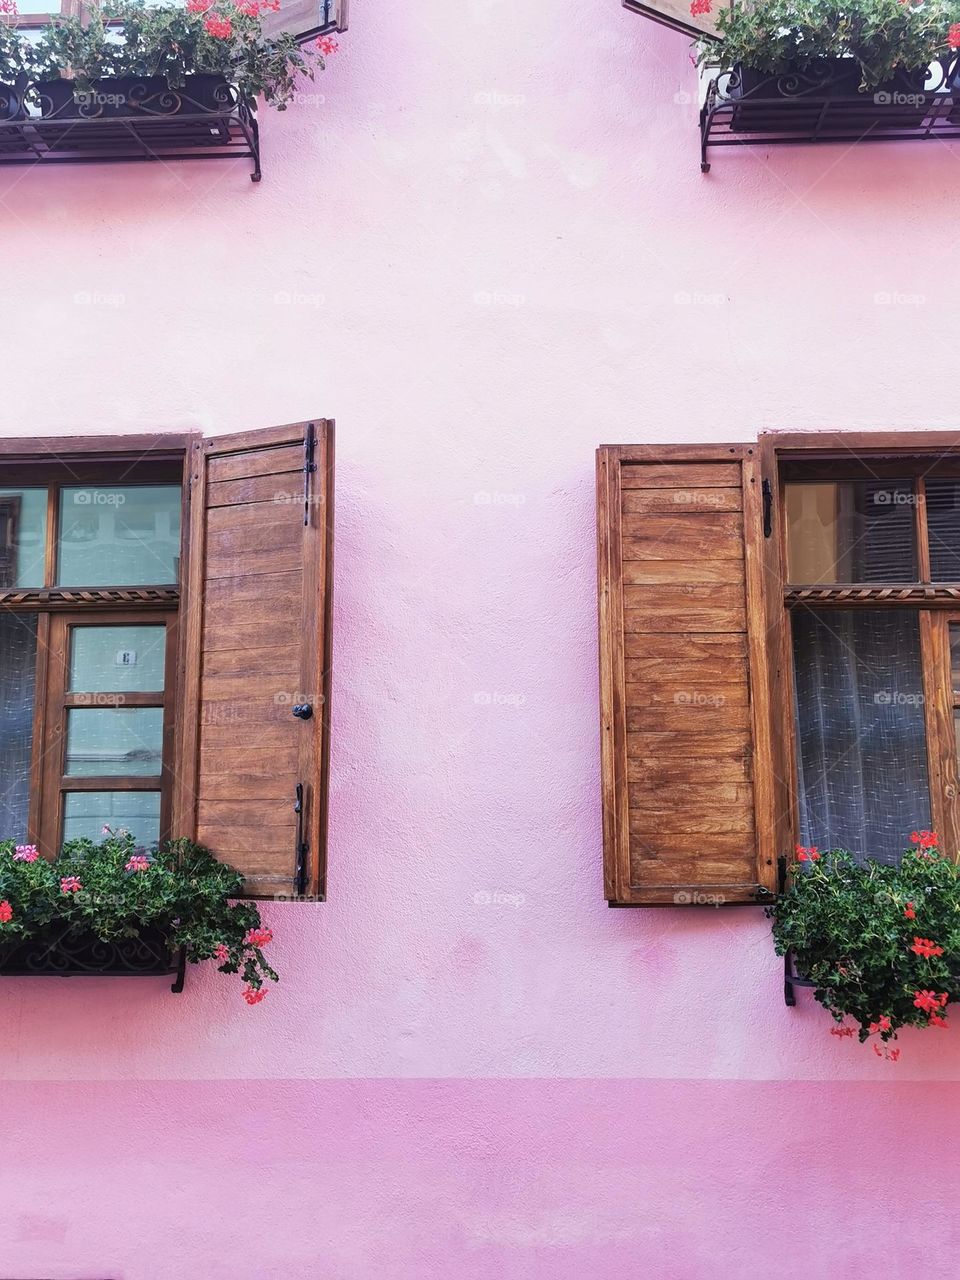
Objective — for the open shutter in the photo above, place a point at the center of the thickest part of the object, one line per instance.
(676, 14)
(255, 724)
(685, 708)
(306, 18)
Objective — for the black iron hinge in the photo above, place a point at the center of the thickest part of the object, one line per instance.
(767, 490)
(303, 847)
(309, 467)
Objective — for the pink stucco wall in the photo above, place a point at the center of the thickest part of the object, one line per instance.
(487, 249)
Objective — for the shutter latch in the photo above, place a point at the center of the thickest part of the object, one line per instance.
(767, 490)
(309, 467)
(303, 847)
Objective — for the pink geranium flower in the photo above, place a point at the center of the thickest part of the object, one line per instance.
(26, 853)
(70, 884)
(253, 995)
(137, 863)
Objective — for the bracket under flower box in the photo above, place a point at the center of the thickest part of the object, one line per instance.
(764, 111)
(161, 129)
(74, 954)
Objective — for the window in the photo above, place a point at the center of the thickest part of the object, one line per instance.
(306, 18)
(780, 657)
(150, 664)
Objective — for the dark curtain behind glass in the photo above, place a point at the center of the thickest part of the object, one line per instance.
(18, 660)
(862, 743)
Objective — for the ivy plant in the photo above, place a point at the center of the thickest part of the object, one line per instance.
(882, 943)
(116, 889)
(884, 38)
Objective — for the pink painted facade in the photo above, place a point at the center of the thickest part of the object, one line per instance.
(485, 248)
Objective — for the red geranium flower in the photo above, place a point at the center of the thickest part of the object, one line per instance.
(882, 1024)
(254, 995)
(804, 855)
(937, 1021)
(258, 937)
(953, 36)
(6, 912)
(221, 28)
(924, 947)
(841, 1031)
(221, 953)
(328, 45)
(930, 1001)
(70, 884)
(909, 912)
(196, 6)
(700, 6)
(926, 839)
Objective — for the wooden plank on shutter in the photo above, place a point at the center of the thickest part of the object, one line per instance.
(684, 677)
(257, 643)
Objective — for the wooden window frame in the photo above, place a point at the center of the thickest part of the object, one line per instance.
(54, 463)
(819, 455)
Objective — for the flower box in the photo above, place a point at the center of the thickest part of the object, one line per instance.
(133, 96)
(67, 951)
(792, 102)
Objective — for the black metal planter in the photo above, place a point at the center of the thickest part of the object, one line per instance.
(71, 953)
(793, 101)
(823, 103)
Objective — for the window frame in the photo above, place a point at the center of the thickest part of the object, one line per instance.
(791, 455)
(53, 463)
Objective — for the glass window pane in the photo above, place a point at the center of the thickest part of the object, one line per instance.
(114, 742)
(86, 813)
(23, 537)
(862, 742)
(18, 660)
(943, 529)
(955, 655)
(117, 659)
(851, 531)
(121, 536)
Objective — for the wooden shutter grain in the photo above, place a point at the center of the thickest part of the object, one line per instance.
(257, 642)
(685, 710)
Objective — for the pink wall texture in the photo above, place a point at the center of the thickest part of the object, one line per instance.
(484, 245)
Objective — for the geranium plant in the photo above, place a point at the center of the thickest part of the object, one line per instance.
(882, 943)
(133, 38)
(116, 889)
(884, 38)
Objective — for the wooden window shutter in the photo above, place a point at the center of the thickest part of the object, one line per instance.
(687, 764)
(676, 14)
(307, 19)
(256, 646)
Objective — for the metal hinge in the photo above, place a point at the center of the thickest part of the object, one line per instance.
(303, 846)
(767, 490)
(309, 467)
